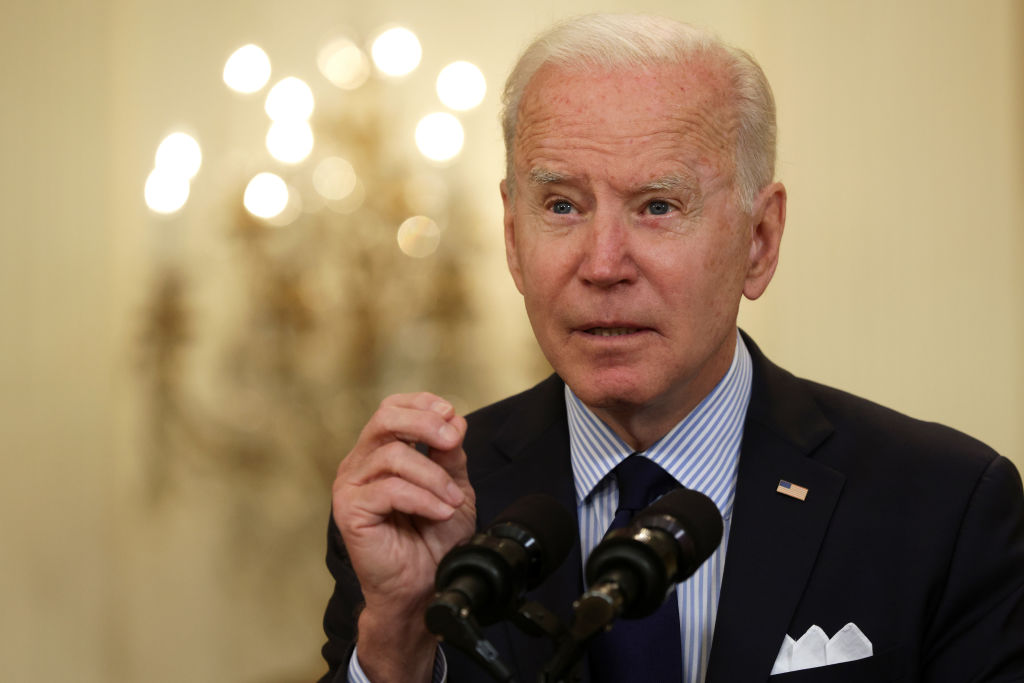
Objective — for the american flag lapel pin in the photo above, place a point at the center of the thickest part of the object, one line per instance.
(792, 490)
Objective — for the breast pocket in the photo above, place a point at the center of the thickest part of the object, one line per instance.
(885, 667)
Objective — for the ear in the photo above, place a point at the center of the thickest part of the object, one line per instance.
(511, 255)
(768, 222)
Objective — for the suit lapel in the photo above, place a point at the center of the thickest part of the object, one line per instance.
(774, 539)
(535, 445)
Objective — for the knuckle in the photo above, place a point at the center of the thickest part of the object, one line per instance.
(391, 456)
(384, 413)
(414, 399)
(389, 401)
(345, 467)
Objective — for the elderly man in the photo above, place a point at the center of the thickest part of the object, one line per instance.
(640, 206)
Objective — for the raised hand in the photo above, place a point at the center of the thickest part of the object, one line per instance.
(399, 512)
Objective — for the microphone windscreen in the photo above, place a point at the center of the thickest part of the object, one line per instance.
(548, 522)
(697, 514)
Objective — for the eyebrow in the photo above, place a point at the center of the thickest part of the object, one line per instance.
(668, 183)
(543, 176)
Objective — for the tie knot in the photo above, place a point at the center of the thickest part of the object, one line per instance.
(641, 481)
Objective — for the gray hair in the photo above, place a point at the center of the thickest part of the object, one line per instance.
(608, 41)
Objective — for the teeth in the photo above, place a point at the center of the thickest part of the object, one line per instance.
(609, 331)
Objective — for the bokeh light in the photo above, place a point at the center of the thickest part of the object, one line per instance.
(461, 86)
(289, 100)
(439, 136)
(334, 178)
(266, 195)
(419, 236)
(343, 64)
(247, 69)
(396, 51)
(179, 154)
(166, 191)
(290, 141)
(291, 211)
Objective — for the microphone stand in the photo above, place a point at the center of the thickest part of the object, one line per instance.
(449, 617)
(593, 614)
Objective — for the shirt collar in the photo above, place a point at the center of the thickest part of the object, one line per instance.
(701, 451)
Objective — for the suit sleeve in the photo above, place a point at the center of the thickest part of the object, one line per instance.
(342, 609)
(978, 630)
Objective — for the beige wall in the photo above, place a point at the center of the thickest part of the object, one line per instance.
(902, 145)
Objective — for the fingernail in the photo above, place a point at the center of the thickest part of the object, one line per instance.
(454, 493)
(440, 407)
(448, 432)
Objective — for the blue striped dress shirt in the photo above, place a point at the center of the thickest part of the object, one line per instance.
(702, 453)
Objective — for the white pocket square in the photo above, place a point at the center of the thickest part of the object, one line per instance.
(814, 649)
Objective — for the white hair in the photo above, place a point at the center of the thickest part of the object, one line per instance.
(609, 41)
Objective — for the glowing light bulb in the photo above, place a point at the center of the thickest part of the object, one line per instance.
(439, 136)
(266, 195)
(289, 100)
(290, 141)
(343, 64)
(291, 211)
(461, 86)
(419, 236)
(397, 51)
(247, 69)
(179, 154)
(166, 191)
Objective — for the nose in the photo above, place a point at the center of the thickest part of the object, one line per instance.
(607, 258)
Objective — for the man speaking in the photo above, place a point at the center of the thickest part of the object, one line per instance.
(640, 206)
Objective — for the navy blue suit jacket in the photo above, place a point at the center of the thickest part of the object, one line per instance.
(911, 530)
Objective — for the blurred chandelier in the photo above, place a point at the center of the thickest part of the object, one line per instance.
(342, 276)
(290, 140)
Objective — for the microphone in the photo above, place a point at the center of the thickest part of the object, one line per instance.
(484, 580)
(514, 554)
(632, 569)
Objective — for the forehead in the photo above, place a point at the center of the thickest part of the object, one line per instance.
(666, 115)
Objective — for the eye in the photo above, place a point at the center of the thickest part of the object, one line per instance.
(659, 207)
(561, 207)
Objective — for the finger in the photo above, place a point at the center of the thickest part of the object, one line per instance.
(367, 505)
(399, 460)
(412, 424)
(453, 460)
(423, 400)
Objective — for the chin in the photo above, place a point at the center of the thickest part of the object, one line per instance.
(609, 393)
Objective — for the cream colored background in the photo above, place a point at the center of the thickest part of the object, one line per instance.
(901, 142)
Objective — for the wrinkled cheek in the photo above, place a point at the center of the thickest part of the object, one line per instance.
(535, 312)
(539, 288)
(543, 322)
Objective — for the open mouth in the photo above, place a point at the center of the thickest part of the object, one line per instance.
(611, 331)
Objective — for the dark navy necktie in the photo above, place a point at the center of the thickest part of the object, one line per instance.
(643, 650)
